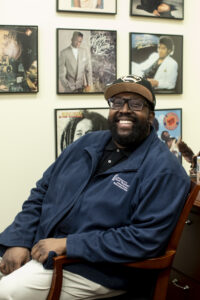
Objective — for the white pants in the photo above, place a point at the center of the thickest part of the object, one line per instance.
(32, 282)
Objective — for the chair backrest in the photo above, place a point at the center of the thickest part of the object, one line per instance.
(160, 291)
(175, 237)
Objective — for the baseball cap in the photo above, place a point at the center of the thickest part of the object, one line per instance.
(132, 84)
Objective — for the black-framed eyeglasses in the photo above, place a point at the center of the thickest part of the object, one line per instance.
(133, 104)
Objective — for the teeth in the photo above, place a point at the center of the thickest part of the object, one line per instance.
(125, 122)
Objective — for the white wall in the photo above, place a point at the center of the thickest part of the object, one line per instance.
(27, 120)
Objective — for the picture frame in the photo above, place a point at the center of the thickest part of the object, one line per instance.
(87, 6)
(172, 9)
(86, 60)
(18, 59)
(168, 124)
(159, 58)
(72, 123)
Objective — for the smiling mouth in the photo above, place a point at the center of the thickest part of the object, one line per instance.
(125, 122)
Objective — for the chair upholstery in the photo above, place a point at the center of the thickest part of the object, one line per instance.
(162, 263)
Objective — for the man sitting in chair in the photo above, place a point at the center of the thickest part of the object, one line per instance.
(111, 197)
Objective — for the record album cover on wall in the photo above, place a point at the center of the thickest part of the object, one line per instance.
(159, 58)
(86, 60)
(70, 124)
(170, 9)
(18, 59)
(88, 6)
(168, 124)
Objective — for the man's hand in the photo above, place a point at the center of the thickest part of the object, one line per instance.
(156, 13)
(153, 82)
(13, 259)
(87, 89)
(3, 87)
(41, 250)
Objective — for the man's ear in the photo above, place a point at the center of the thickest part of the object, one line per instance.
(151, 117)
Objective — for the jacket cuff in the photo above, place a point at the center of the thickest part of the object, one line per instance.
(77, 246)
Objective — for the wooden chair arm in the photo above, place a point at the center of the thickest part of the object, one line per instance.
(160, 262)
(63, 259)
(56, 284)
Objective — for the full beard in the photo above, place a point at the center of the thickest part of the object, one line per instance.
(140, 130)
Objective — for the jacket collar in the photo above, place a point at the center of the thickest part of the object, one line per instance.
(132, 163)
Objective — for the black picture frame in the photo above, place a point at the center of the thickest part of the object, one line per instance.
(108, 7)
(172, 9)
(18, 59)
(68, 125)
(95, 65)
(168, 124)
(144, 60)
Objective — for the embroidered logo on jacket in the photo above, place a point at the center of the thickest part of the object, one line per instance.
(122, 184)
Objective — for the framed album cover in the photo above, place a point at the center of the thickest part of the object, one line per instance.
(158, 58)
(86, 60)
(70, 124)
(88, 6)
(168, 124)
(18, 59)
(169, 9)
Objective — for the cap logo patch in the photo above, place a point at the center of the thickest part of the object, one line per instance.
(131, 78)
